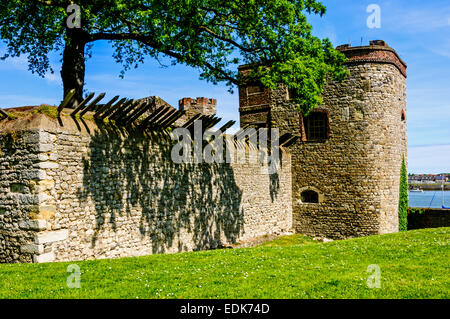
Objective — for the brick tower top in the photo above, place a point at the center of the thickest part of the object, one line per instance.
(376, 52)
(200, 105)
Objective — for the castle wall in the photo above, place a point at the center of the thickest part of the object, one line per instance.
(19, 178)
(109, 193)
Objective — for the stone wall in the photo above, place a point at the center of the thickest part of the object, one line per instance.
(20, 177)
(100, 192)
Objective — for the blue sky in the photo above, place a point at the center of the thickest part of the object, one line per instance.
(418, 30)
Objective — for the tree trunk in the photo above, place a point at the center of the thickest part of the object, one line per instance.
(73, 66)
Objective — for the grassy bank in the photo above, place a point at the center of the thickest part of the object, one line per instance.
(413, 264)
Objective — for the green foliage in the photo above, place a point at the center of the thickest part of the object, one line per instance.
(403, 200)
(414, 264)
(13, 115)
(415, 211)
(213, 36)
(48, 110)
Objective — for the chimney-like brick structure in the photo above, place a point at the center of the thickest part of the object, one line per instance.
(200, 105)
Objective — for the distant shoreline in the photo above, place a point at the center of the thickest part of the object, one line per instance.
(429, 187)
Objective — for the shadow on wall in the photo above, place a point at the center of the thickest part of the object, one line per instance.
(131, 171)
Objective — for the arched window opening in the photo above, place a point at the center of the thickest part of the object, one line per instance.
(316, 126)
(310, 196)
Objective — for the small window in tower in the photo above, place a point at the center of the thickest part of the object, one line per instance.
(403, 116)
(309, 196)
(292, 94)
(316, 126)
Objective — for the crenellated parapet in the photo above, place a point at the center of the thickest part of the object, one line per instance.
(377, 52)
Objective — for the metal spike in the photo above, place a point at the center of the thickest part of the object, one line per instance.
(120, 110)
(3, 113)
(291, 141)
(209, 120)
(214, 122)
(126, 110)
(284, 138)
(112, 109)
(164, 117)
(66, 100)
(172, 119)
(132, 110)
(82, 104)
(106, 106)
(226, 126)
(93, 103)
(159, 119)
(191, 126)
(138, 113)
(189, 122)
(152, 116)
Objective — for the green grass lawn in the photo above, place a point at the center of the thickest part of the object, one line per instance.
(413, 264)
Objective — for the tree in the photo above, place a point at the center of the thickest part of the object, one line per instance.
(403, 199)
(211, 35)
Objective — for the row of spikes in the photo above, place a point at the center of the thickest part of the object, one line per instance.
(241, 137)
(125, 111)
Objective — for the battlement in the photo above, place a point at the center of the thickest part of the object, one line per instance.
(200, 105)
(376, 52)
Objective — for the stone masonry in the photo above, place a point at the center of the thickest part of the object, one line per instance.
(355, 170)
(101, 192)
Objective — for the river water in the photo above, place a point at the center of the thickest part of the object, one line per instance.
(427, 199)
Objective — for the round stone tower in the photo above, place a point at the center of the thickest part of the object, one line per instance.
(346, 164)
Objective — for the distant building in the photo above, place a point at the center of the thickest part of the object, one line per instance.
(427, 178)
(441, 178)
